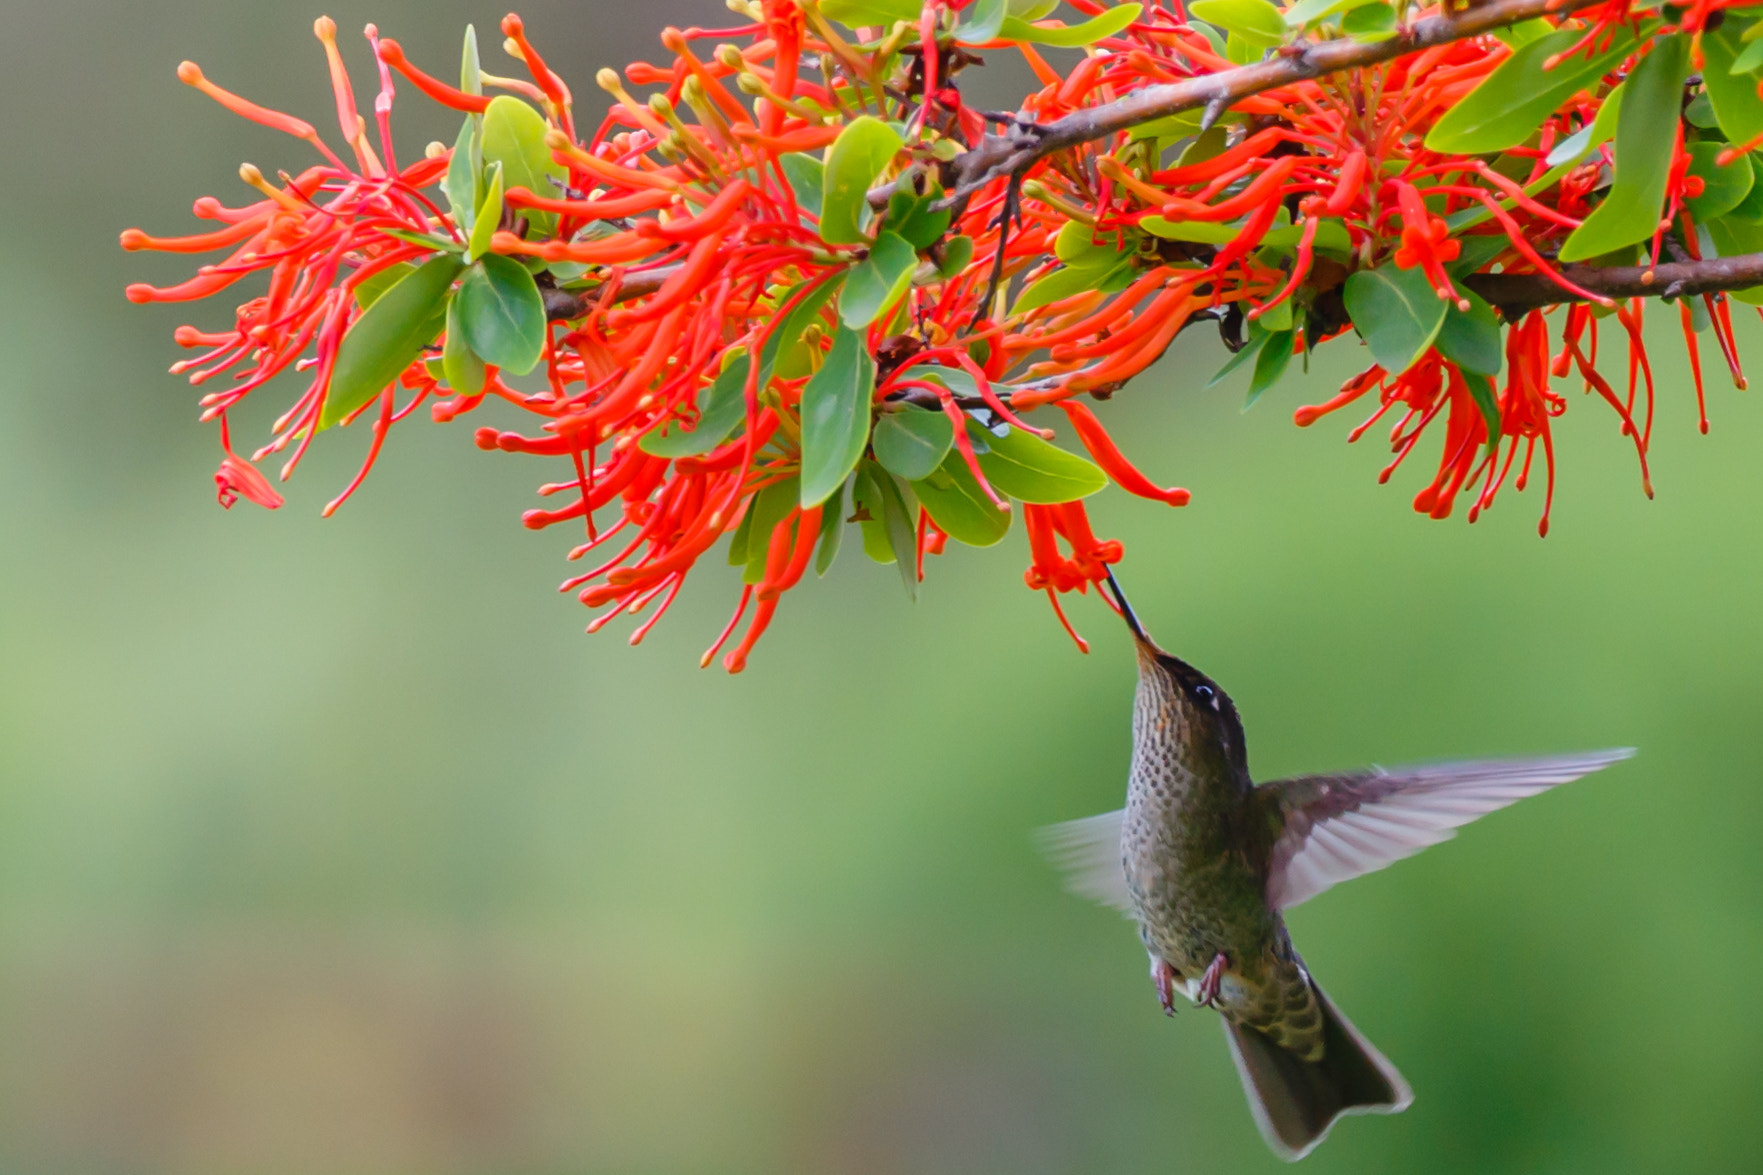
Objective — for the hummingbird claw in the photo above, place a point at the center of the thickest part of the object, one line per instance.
(1207, 993)
(1163, 975)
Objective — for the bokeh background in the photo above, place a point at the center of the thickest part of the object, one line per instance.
(336, 846)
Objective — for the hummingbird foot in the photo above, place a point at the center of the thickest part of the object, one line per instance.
(1163, 976)
(1206, 995)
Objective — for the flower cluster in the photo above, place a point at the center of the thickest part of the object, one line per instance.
(776, 290)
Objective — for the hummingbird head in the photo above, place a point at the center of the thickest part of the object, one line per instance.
(1177, 702)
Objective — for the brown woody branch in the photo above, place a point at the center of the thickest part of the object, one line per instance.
(1516, 293)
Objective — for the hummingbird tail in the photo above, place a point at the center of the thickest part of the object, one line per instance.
(1296, 1101)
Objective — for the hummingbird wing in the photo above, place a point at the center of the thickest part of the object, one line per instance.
(1332, 828)
(1087, 851)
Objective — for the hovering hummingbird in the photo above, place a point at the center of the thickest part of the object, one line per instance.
(1204, 860)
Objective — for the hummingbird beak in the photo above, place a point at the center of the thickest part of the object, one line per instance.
(1126, 612)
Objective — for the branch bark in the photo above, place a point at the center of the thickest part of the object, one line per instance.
(1517, 293)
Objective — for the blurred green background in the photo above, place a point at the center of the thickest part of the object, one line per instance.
(336, 846)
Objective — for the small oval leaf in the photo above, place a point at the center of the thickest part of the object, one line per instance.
(1396, 311)
(1512, 101)
(1736, 105)
(1255, 21)
(514, 136)
(959, 507)
(859, 155)
(912, 442)
(1071, 36)
(388, 337)
(488, 217)
(1024, 466)
(502, 314)
(878, 281)
(835, 416)
(1723, 188)
(1471, 338)
(459, 363)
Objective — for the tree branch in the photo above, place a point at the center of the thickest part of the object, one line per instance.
(1517, 293)
(1015, 153)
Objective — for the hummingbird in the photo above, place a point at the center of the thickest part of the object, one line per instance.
(1205, 861)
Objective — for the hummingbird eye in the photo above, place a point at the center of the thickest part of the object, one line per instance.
(1206, 694)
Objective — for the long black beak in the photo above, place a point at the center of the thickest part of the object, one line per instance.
(1126, 612)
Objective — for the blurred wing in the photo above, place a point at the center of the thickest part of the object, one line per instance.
(1337, 827)
(1087, 851)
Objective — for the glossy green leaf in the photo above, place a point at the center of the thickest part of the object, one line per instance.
(514, 136)
(1512, 102)
(835, 416)
(1275, 357)
(722, 408)
(807, 176)
(784, 353)
(770, 507)
(1203, 232)
(912, 442)
(957, 255)
(1370, 23)
(832, 531)
(1751, 207)
(981, 21)
(471, 75)
(916, 219)
(1700, 112)
(854, 162)
(388, 337)
(430, 241)
(1071, 36)
(859, 13)
(1524, 32)
(1024, 466)
(956, 503)
(870, 513)
(1256, 21)
(489, 216)
(1651, 100)
(1481, 390)
(1736, 104)
(1066, 281)
(1733, 238)
(900, 521)
(1249, 352)
(1170, 126)
(1309, 11)
(1750, 60)
(878, 281)
(1396, 311)
(461, 183)
(369, 289)
(459, 363)
(1471, 338)
(502, 315)
(1209, 145)
(1723, 188)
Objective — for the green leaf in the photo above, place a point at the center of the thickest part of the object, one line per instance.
(722, 408)
(514, 136)
(1723, 188)
(835, 416)
(957, 256)
(1700, 112)
(1733, 238)
(1370, 22)
(1736, 104)
(1255, 21)
(471, 77)
(878, 281)
(1170, 126)
(981, 21)
(770, 507)
(1396, 311)
(857, 157)
(914, 218)
(912, 442)
(369, 290)
(431, 241)
(502, 315)
(1524, 32)
(1481, 390)
(1751, 207)
(870, 512)
(1512, 102)
(1308, 11)
(388, 337)
(1275, 357)
(1203, 232)
(1239, 51)
(461, 183)
(859, 13)
(1250, 351)
(459, 363)
(959, 507)
(489, 216)
(900, 520)
(807, 176)
(1073, 36)
(1651, 100)
(1209, 145)
(1471, 338)
(784, 353)
(1748, 61)
(1024, 466)
(832, 531)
